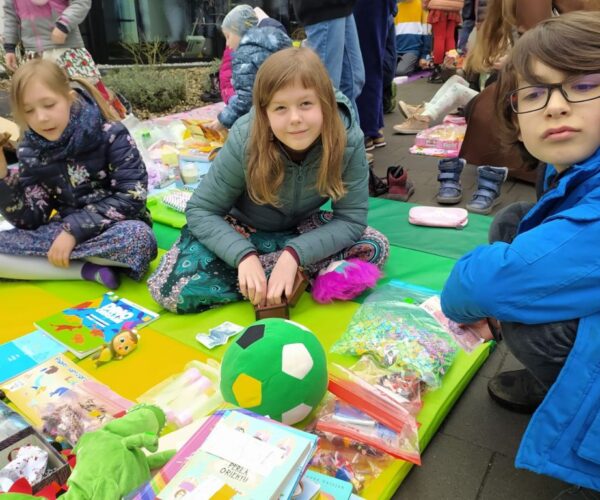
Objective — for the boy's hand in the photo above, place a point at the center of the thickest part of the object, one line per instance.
(60, 251)
(10, 59)
(282, 278)
(252, 280)
(58, 37)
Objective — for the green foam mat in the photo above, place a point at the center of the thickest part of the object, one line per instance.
(389, 217)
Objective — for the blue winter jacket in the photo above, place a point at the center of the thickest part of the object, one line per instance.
(93, 176)
(550, 272)
(255, 46)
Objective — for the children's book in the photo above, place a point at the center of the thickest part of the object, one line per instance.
(57, 384)
(86, 327)
(25, 352)
(330, 487)
(238, 453)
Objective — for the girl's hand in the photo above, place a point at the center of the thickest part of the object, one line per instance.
(60, 251)
(252, 280)
(58, 37)
(216, 125)
(10, 60)
(282, 278)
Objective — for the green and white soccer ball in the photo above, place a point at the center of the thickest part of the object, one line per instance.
(277, 368)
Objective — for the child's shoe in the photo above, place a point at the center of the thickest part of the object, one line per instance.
(409, 110)
(450, 191)
(413, 125)
(436, 75)
(399, 187)
(490, 180)
(379, 141)
(100, 274)
(377, 186)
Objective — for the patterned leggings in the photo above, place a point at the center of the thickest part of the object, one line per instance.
(190, 278)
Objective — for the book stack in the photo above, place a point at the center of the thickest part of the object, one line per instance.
(235, 453)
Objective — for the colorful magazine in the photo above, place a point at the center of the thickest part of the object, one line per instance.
(59, 383)
(84, 328)
(23, 353)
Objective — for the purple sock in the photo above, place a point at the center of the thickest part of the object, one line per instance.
(100, 274)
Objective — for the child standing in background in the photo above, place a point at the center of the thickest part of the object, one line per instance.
(255, 218)
(540, 276)
(444, 16)
(50, 29)
(76, 162)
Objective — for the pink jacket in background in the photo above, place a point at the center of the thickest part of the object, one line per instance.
(225, 73)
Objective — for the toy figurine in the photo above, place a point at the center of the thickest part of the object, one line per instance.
(120, 346)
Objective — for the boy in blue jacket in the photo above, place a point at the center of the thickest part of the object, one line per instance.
(540, 276)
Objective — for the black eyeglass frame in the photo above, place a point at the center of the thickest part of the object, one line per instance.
(550, 87)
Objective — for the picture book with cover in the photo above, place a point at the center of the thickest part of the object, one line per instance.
(58, 384)
(25, 352)
(244, 455)
(84, 328)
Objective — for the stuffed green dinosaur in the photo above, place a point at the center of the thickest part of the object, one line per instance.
(110, 461)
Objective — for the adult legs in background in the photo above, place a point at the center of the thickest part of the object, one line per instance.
(372, 25)
(336, 43)
(468, 23)
(542, 349)
(389, 68)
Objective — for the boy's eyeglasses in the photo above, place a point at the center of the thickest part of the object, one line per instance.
(536, 97)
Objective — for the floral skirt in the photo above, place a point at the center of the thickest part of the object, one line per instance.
(76, 62)
(191, 278)
(131, 243)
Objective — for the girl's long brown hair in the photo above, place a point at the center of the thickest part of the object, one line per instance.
(493, 38)
(569, 43)
(52, 75)
(265, 162)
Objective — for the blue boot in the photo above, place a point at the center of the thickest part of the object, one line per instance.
(450, 189)
(490, 180)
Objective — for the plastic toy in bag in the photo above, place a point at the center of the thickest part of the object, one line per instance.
(340, 419)
(400, 387)
(189, 395)
(392, 327)
(343, 460)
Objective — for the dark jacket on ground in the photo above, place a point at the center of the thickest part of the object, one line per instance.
(92, 176)
(315, 11)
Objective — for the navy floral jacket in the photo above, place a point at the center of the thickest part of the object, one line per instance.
(93, 176)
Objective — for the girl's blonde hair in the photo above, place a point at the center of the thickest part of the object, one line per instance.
(494, 37)
(569, 43)
(265, 162)
(52, 75)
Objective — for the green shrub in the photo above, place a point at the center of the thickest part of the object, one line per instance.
(148, 88)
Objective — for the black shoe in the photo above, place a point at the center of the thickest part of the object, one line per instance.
(517, 391)
(436, 75)
(377, 186)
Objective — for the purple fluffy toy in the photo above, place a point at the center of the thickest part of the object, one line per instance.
(344, 280)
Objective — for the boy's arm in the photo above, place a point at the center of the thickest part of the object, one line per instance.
(549, 273)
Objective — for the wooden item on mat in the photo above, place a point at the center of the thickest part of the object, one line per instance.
(9, 132)
(282, 310)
